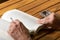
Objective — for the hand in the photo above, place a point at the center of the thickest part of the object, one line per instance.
(46, 20)
(18, 31)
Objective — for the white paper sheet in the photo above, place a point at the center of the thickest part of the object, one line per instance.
(5, 36)
(28, 20)
(4, 27)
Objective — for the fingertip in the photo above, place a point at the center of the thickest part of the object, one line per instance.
(17, 21)
(39, 22)
(53, 13)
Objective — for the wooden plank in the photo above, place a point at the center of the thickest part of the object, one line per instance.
(52, 9)
(43, 6)
(14, 6)
(52, 36)
(58, 12)
(37, 15)
(2, 1)
(32, 5)
(5, 4)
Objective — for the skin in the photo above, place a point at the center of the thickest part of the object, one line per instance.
(49, 19)
(51, 22)
(18, 31)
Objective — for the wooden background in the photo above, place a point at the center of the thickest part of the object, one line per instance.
(33, 7)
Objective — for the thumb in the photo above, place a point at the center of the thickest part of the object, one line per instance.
(41, 21)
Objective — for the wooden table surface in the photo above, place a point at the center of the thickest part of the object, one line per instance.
(32, 7)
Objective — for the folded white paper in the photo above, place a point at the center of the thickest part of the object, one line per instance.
(28, 20)
(5, 36)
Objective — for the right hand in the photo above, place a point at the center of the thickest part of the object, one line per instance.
(18, 31)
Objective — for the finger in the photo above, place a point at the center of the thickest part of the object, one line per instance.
(19, 25)
(17, 21)
(41, 21)
(50, 18)
(12, 27)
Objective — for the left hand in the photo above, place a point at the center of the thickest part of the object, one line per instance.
(49, 19)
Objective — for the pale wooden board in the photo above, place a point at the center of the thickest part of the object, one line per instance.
(16, 5)
(32, 7)
(7, 3)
